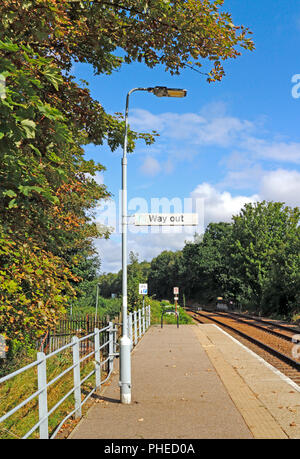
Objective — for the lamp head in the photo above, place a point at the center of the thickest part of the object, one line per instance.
(163, 91)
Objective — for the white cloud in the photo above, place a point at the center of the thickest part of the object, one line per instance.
(218, 205)
(212, 127)
(242, 173)
(98, 177)
(110, 254)
(150, 166)
(281, 185)
(193, 127)
(172, 124)
(222, 132)
(288, 152)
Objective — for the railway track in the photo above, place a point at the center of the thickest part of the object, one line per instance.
(286, 332)
(274, 342)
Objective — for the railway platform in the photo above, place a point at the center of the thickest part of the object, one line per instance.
(196, 382)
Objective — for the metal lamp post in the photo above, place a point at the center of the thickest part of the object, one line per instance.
(125, 343)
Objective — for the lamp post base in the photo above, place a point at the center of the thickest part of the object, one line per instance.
(125, 370)
(125, 399)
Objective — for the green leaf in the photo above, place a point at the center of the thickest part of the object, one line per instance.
(53, 76)
(36, 150)
(50, 112)
(8, 46)
(10, 193)
(12, 204)
(29, 128)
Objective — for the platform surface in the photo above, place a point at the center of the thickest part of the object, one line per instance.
(195, 382)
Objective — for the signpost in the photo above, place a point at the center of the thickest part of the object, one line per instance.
(143, 290)
(176, 293)
(166, 219)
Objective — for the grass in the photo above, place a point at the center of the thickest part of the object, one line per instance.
(106, 306)
(22, 386)
(158, 307)
(112, 307)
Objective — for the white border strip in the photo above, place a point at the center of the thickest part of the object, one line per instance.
(277, 372)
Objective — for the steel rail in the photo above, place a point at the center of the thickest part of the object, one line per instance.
(293, 363)
(269, 322)
(245, 321)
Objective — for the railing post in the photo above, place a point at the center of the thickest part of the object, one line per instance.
(130, 329)
(43, 403)
(143, 320)
(115, 338)
(149, 319)
(135, 328)
(76, 373)
(140, 323)
(97, 360)
(111, 346)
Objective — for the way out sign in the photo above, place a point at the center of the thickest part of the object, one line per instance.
(166, 220)
(143, 289)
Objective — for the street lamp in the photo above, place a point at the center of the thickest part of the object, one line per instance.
(162, 91)
(125, 344)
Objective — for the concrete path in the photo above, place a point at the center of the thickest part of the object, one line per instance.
(176, 393)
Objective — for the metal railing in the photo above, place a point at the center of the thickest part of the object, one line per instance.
(67, 327)
(103, 352)
(138, 323)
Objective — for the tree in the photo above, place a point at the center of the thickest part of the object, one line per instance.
(265, 254)
(110, 283)
(206, 265)
(164, 274)
(137, 273)
(47, 188)
(168, 32)
(34, 289)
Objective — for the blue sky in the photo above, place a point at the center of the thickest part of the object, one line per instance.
(225, 144)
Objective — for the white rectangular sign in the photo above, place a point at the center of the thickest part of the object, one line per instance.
(176, 290)
(166, 219)
(143, 289)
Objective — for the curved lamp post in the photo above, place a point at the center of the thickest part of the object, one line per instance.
(125, 344)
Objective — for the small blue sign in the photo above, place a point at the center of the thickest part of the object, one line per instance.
(143, 289)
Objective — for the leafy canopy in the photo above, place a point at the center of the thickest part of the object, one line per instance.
(48, 191)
